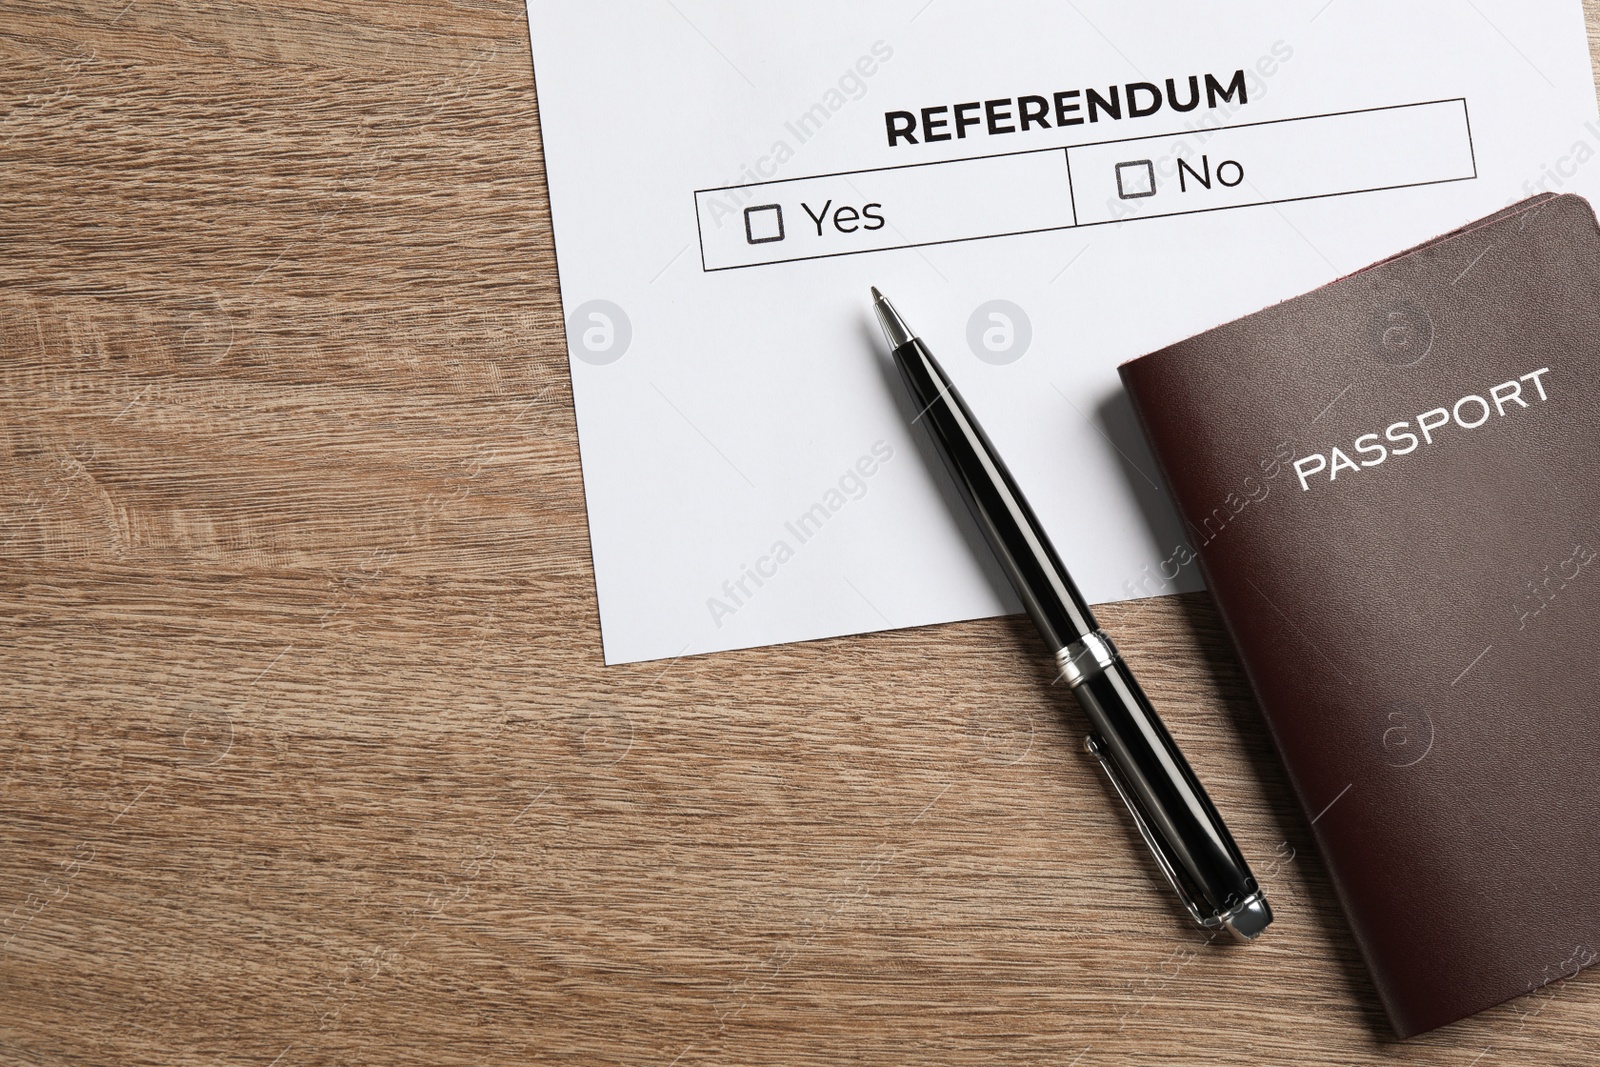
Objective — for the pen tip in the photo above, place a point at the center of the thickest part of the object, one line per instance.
(894, 327)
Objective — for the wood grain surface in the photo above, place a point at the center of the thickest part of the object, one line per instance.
(309, 756)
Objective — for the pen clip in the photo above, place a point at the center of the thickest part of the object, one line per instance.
(1097, 749)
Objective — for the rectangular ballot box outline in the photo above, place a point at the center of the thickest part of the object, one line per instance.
(1066, 152)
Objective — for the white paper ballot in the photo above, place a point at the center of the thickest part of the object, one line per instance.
(1044, 190)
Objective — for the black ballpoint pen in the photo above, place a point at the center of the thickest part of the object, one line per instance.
(1169, 805)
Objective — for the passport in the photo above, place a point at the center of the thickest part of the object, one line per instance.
(1392, 488)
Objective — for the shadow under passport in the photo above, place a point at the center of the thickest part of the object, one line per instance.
(1116, 422)
(1199, 616)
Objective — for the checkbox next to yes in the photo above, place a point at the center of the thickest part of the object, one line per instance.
(763, 225)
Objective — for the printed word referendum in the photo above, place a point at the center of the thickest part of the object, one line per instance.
(1468, 413)
(1074, 107)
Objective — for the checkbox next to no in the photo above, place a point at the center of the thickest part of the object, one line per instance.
(1136, 180)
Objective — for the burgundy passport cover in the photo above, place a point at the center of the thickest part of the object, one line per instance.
(1393, 488)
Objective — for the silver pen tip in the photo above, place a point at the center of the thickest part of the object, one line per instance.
(895, 329)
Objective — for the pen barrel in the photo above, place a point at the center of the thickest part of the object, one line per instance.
(1008, 523)
(1191, 842)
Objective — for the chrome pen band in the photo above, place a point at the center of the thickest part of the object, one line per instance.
(1086, 659)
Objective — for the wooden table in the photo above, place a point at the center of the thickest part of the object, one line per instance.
(308, 752)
